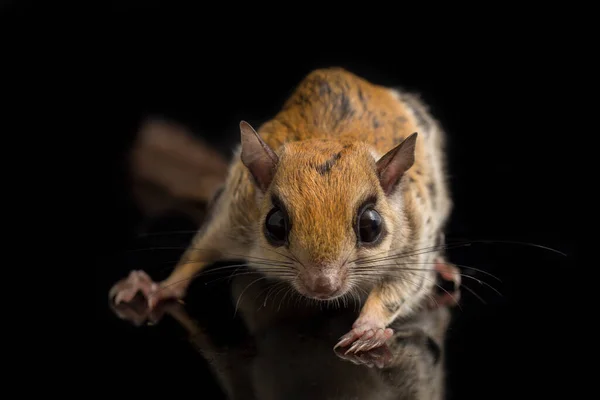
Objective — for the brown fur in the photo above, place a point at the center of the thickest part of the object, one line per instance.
(328, 138)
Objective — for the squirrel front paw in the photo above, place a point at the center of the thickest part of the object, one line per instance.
(124, 293)
(364, 336)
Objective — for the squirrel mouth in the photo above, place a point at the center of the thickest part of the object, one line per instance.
(320, 294)
(329, 296)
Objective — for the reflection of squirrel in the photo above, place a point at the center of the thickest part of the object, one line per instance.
(336, 195)
(288, 352)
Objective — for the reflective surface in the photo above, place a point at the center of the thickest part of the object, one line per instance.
(509, 182)
(274, 346)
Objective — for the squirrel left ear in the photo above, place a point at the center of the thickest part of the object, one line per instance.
(396, 162)
(257, 156)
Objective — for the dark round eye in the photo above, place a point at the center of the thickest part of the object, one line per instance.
(276, 227)
(369, 226)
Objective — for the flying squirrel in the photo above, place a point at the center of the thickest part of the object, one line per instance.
(343, 193)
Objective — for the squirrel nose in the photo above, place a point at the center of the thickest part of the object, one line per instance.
(325, 286)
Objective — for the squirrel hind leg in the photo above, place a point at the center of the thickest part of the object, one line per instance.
(447, 289)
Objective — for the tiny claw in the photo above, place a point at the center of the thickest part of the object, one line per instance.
(363, 346)
(344, 340)
(364, 338)
(368, 345)
(353, 348)
(341, 343)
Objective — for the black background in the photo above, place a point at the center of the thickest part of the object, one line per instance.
(495, 91)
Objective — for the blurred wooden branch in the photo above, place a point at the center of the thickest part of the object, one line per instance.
(172, 170)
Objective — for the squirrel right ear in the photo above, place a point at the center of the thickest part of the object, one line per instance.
(392, 166)
(257, 156)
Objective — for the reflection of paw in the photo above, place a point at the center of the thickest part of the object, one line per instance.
(379, 357)
(137, 312)
(364, 337)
